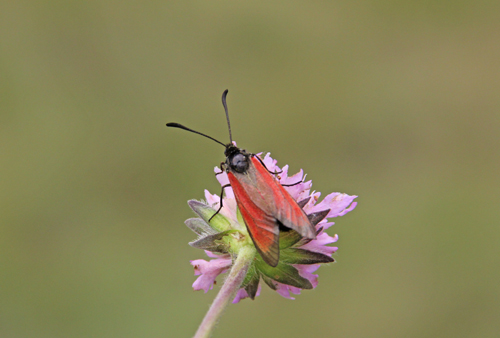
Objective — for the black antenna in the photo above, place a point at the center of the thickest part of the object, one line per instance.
(227, 114)
(177, 125)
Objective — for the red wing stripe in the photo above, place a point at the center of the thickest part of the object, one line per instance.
(261, 226)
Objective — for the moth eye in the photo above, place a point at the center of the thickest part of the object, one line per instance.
(239, 163)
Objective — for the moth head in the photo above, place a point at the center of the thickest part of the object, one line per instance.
(236, 159)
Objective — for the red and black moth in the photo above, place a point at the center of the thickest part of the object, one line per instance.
(263, 202)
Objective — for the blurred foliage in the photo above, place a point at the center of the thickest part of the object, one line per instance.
(395, 101)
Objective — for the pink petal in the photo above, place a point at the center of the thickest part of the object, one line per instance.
(223, 180)
(353, 205)
(325, 225)
(242, 294)
(339, 204)
(306, 271)
(214, 255)
(309, 207)
(298, 191)
(284, 291)
(270, 162)
(283, 176)
(212, 200)
(294, 290)
(209, 272)
(319, 244)
(229, 209)
(229, 204)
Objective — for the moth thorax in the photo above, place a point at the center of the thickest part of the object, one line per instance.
(239, 163)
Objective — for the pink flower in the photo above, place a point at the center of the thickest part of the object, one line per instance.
(299, 257)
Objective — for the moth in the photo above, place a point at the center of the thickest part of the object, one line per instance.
(264, 203)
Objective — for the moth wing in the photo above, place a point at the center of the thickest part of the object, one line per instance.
(261, 224)
(285, 209)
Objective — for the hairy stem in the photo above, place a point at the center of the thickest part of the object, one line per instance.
(227, 292)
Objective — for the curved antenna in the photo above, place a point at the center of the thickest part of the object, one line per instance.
(227, 114)
(177, 125)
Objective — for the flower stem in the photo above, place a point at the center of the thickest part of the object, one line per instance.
(227, 292)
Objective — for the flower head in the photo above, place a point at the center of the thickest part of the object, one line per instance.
(223, 235)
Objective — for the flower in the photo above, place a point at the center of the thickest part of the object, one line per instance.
(226, 233)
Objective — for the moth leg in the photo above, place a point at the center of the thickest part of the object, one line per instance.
(291, 185)
(222, 165)
(272, 172)
(221, 194)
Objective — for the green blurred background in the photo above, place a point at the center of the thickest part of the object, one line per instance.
(394, 101)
